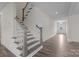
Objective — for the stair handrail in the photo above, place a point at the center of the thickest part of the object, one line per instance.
(24, 10)
(25, 48)
(40, 28)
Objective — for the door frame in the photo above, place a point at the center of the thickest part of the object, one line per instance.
(61, 21)
(0, 28)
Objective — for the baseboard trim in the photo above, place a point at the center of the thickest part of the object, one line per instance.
(72, 41)
(50, 37)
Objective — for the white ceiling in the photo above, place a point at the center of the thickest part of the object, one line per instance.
(74, 8)
(54, 9)
(2, 5)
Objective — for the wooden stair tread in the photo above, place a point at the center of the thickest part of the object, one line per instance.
(32, 43)
(34, 48)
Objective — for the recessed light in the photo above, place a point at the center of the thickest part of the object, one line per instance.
(56, 12)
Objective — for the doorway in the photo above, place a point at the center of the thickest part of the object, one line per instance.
(61, 26)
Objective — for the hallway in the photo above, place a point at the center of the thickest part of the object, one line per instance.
(51, 46)
(23, 33)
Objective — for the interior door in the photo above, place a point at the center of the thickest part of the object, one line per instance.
(61, 27)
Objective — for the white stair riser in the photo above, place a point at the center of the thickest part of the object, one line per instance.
(31, 41)
(33, 45)
(29, 36)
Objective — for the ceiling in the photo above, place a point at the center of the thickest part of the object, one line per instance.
(74, 9)
(54, 9)
(2, 5)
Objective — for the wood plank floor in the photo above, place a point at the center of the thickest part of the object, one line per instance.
(51, 48)
(5, 53)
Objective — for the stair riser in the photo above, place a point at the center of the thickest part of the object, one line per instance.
(29, 47)
(31, 41)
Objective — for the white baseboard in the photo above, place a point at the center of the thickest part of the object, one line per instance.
(72, 41)
(33, 53)
(50, 36)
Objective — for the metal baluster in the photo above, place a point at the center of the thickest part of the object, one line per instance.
(41, 40)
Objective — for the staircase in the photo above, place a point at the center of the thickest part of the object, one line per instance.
(26, 42)
(25, 39)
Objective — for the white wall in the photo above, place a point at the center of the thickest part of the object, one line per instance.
(8, 28)
(73, 21)
(19, 7)
(44, 14)
(74, 28)
(41, 15)
(38, 17)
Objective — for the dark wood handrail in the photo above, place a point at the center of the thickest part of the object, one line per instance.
(38, 26)
(26, 5)
(24, 10)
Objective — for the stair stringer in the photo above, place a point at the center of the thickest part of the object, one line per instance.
(34, 52)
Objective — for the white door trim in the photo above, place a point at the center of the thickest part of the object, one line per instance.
(0, 28)
(61, 21)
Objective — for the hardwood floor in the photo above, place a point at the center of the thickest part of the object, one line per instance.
(54, 48)
(5, 53)
(57, 46)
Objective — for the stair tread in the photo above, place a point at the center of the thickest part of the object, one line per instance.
(33, 43)
(29, 41)
(31, 50)
(31, 38)
(28, 11)
(28, 31)
(19, 48)
(30, 8)
(29, 34)
(26, 15)
(16, 42)
(34, 48)
(21, 54)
